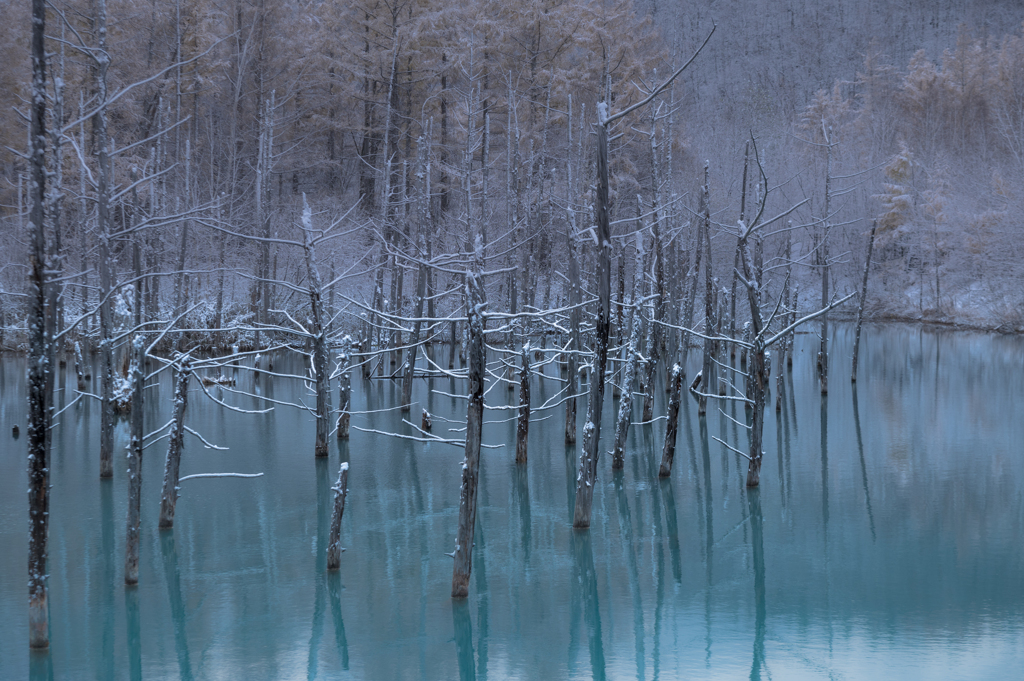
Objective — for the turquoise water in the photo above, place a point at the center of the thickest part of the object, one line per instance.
(884, 542)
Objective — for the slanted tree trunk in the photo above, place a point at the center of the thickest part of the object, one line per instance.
(463, 554)
(592, 429)
(169, 496)
(340, 490)
(523, 424)
(131, 559)
(669, 452)
(860, 307)
(38, 368)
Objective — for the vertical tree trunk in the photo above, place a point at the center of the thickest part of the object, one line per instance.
(463, 554)
(860, 308)
(340, 490)
(169, 496)
(575, 345)
(823, 254)
(320, 359)
(103, 182)
(592, 430)
(344, 387)
(629, 373)
(423, 201)
(669, 452)
(707, 385)
(39, 415)
(131, 559)
(523, 424)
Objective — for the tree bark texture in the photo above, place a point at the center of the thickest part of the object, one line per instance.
(860, 308)
(131, 558)
(334, 544)
(38, 414)
(669, 452)
(169, 496)
(320, 361)
(345, 386)
(463, 555)
(592, 430)
(523, 424)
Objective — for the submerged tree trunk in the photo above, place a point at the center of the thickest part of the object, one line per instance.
(344, 387)
(592, 429)
(131, 559)
(523, 425)
(463, 554)
(103, 189)
(575, 345)
(860, 308)
(629, 373)
(707, 385)
(38, 414)
(320, 359)
(340, 490)
(669, 452)
(169, 496)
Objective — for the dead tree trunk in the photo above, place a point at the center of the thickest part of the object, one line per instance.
(131, 559)
(592, 429)
(103, 189)
(319, 331)
(463, 554)
(707, 385)
(523, 425)
(344, 387)
(669, 452)
(629, 374)
(860, 307)
(169, 496)
(575, 346)
(823, 255)
(39, 415)
(340, 490)
(423, 173)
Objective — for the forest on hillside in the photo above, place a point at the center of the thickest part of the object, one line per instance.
(221, 116)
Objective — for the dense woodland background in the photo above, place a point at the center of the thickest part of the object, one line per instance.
(488, 107)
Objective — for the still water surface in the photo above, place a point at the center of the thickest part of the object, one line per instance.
(884, 542)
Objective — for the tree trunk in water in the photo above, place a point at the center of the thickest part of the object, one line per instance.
(320, 360)
(707, 384)
(169, 496)
(103, 181)
(592, 430)
(80, 368)
(131, 558)
(758, 383)
(38, 414)
(344, 387)
(673, 423)
(334, 544)
(463, 554)
(523, 425)
(575, 345)
(860, 308)
(628, 376)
